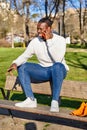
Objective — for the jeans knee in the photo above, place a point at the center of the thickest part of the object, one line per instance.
(60, 68)
(58, 65)
(21, 68)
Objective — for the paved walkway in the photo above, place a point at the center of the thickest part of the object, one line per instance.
(76, 50)
(30, 122)
(8, 123)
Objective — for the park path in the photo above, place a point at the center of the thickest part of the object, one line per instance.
(76, 50)
(8, 123)
(35, 123)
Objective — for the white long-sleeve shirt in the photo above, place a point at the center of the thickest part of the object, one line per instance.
(37, 46)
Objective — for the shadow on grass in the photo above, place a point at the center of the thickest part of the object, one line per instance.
(78, 60)
(46, 100)
(70, 103)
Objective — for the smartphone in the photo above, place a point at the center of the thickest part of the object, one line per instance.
(44, 35)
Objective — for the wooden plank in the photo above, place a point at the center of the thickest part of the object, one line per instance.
(42, 88)
(74, 89)
(43, 110)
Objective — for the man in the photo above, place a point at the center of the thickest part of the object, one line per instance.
(50, 50)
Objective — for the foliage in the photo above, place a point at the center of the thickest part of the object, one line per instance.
(18, 44)
(4, 43)
(13, 16)
(3, 33)
(77, 45)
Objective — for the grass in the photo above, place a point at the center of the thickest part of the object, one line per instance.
(77, 45)
(77, 62)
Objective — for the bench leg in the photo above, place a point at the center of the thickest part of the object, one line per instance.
(59, 100)
(3, 92)
(5, 95)
(10, 113)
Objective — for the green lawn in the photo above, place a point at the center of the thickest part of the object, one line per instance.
(77, 62)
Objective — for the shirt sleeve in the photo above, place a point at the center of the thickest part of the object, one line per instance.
(26, 55)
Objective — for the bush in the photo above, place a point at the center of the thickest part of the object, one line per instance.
(4, 43)
(19, 44)
(78, 45)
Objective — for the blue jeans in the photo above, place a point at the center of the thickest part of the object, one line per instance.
(34, 73)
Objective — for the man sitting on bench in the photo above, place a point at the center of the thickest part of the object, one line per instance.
(50, 50)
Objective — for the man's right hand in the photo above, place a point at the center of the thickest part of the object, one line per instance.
(12, 67)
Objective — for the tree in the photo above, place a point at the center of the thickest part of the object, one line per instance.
(22, 9)
(54, 9)
(51, 8)
(81, 10)
(7, 17)
(85, 24)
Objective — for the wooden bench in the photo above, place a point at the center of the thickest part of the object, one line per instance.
(72, 89)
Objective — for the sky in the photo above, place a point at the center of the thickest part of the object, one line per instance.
(77, 4)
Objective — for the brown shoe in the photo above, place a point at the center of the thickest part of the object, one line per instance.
(80, 110)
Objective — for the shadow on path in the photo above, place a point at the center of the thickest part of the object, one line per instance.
(30, 126)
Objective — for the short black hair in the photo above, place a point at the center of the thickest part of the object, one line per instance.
(46, 20)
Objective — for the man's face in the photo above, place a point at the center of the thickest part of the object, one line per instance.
(43, 29)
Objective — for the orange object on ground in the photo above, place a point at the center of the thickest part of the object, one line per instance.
(85, 111)
(80, 111)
